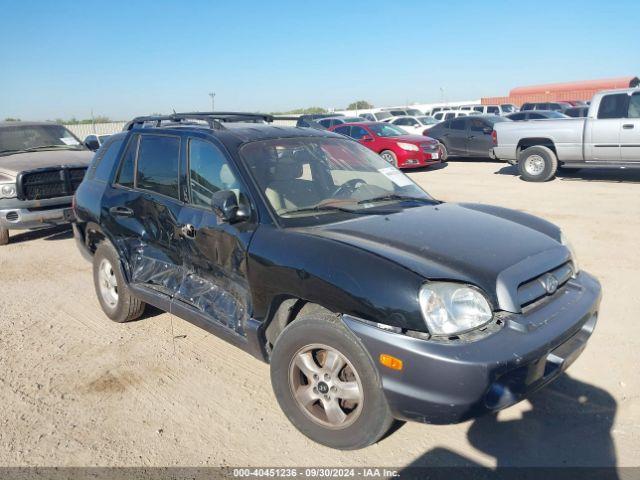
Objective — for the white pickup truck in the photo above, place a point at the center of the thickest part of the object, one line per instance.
(609, 136)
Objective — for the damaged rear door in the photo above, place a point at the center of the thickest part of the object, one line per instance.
(142, 211)
(214, 252)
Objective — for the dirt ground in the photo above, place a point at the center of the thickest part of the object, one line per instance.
(79, 390)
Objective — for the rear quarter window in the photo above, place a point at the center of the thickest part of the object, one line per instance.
(105, 160)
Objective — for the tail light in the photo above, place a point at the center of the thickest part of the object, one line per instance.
(494, 137)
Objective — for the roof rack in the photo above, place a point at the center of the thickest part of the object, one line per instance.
(213, 119)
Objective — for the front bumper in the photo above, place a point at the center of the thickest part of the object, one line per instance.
(27, 219)
(449, 382)
(421, 158)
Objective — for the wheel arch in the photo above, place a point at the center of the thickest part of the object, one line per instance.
(525, 143)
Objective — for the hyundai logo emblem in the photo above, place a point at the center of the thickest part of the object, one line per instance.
(550, 283)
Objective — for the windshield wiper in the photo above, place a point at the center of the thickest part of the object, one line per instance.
(394, 196)
(320, 208)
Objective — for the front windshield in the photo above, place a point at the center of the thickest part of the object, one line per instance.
(23, 138)
(508, 108)
(427, 120)
(386, 130)
(383, 115)
(314, 177)
(351, 119)
(413, 111)
(554, 114)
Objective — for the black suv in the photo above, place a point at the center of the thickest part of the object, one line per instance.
(371, 300)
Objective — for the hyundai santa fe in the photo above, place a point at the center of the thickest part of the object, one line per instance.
(372, 301)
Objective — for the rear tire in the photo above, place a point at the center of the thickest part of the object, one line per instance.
(537, 164)
(112, 290)
(342, 407)
(390, 157)
(4, 236)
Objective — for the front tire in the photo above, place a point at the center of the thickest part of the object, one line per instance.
(4, 236)
(390, 157)
(537, 164)
(114, 295)
(444, 153)
(327, 385)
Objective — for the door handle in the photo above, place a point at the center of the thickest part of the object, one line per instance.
(628, 126)
(188, 231)
(121, 212)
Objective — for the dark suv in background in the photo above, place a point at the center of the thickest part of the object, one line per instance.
(371, 300)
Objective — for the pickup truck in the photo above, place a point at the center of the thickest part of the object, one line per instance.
(41, 165)
(609, 137)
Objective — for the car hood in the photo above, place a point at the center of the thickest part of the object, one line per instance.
(12, 165)
(474, 244)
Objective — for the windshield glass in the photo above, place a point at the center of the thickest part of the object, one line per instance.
(20, 138)
(386, 130)
(351, 119)
(554, 114)
(319, 178)
(413, 111)
(427, 120)
(508, 108)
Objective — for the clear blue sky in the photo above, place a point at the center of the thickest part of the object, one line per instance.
(122, 58)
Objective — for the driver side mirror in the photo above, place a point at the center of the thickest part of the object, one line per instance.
(225, 205)
(366, 138)
(92, 144)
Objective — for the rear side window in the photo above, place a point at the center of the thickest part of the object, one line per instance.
(127, 166)
(477, 125)
(493, 109)
(613, 106)
(342, 130)
(158, 164)
(458, 124)
(449, 115)
(104, 164)
(527, 106)
(479, 109)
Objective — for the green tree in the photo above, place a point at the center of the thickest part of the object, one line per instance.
(302, 111)
(11, 119)
(359, 105)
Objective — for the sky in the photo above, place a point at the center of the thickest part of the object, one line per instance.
(63, 59)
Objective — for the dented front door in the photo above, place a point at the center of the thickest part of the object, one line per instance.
(214, 252)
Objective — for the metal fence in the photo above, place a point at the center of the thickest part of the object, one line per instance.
(83, 130)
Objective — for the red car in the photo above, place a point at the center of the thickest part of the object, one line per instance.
(393, 144)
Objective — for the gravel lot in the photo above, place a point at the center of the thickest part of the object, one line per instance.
(79, 390)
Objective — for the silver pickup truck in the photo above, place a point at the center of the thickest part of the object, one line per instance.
(609, 136)
(41, 165)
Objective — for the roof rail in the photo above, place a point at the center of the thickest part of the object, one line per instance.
(214, 119)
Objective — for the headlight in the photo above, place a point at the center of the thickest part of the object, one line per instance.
(450, 308)
(7, 190)
(408, 146)
(565, 241)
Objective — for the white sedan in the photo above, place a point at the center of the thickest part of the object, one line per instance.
(414, 125)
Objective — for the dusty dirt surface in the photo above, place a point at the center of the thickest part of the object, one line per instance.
(79, 390)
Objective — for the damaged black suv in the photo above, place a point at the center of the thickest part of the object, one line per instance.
(372, 301)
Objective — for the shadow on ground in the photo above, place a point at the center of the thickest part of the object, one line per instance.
(569, 425)
(609, 175)
(62, 232)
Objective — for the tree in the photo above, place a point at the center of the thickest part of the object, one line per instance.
(359, 105)
(11, 119)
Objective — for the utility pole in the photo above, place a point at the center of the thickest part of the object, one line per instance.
(213, 101)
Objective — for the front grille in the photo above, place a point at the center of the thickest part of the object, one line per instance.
(429, 147)
(50, 183)
(535, 289)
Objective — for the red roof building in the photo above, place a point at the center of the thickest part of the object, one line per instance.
(582, 90)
